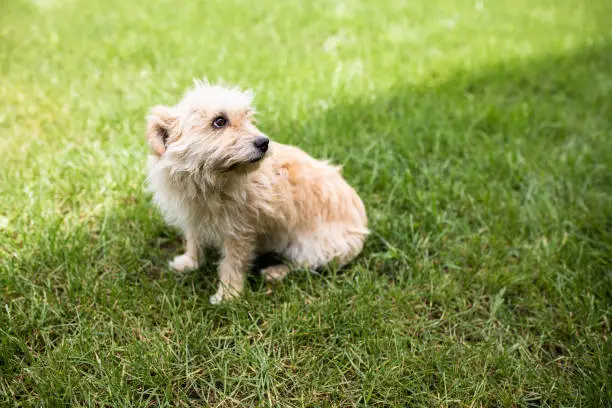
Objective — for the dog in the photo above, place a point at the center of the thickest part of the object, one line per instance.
(223, 183)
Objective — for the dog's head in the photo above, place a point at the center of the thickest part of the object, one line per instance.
(211, 129)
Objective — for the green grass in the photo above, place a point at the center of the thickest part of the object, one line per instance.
(479, 134)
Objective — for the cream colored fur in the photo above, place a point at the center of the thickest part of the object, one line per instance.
(222, 191)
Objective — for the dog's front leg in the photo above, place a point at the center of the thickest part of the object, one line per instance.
(236, 259)
(190, 260)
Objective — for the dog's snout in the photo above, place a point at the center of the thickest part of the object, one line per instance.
(261, 143)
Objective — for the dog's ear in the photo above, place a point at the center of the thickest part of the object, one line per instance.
(160, 126)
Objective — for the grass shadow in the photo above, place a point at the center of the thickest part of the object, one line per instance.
(520, 149)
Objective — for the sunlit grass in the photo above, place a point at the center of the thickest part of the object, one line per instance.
(477, 132)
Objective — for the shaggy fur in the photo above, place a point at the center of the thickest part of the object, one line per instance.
(221, 189)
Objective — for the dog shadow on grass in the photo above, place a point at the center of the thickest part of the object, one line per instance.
(383, 140)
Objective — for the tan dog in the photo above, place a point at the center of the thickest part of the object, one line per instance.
(218, 178)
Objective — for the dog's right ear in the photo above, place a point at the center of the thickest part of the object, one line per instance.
(161, 124)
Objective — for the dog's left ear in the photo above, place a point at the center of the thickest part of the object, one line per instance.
(161, 124)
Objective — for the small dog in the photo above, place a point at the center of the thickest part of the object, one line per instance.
(221, 181)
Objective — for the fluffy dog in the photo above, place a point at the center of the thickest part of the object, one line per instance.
(221, 181)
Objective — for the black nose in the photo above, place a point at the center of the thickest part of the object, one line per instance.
(261, 143)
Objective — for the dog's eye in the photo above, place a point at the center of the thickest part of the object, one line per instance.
(219, 122)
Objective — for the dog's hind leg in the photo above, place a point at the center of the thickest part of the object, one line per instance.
(330, 243)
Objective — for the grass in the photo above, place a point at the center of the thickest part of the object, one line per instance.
(479, 134)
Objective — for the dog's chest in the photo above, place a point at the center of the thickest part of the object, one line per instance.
(219, 215)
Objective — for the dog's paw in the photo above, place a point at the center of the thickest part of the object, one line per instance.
(183, 263)
(216, 298)
(223, 295)
(275, 273)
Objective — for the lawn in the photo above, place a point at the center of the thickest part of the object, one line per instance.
(478, 133)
